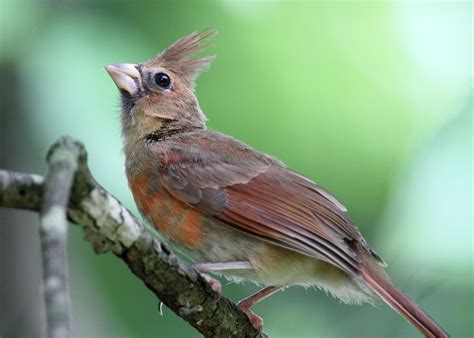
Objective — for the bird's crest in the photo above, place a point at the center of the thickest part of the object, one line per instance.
(180, 57)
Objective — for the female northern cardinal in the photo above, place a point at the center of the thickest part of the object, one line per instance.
(234, 209)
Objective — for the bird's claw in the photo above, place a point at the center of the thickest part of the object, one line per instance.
(160, 307)
(256, 321)
(214, 283)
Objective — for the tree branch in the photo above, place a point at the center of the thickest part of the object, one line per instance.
(63, 161)
(110, 227)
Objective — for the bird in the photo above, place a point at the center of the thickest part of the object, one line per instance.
(232, 209)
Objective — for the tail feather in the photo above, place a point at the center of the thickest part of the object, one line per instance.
(402, 304)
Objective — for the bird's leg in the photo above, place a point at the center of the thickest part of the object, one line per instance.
(245, 304)
(206, 267)
(203, 268)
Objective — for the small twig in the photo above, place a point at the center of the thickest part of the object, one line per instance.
(62, 160)
(110, 227)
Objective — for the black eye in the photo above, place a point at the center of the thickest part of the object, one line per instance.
(162, 80)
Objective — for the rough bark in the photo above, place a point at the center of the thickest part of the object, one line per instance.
(110, 227)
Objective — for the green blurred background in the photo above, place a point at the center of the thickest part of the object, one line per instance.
(373, 100)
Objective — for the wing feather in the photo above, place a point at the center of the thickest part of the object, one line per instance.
(257, 194)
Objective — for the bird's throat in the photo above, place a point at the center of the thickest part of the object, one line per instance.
(169, 129)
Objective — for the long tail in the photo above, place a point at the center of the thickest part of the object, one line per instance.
(402, 304)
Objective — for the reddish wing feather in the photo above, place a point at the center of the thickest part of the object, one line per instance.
(286, 213)
(256, 194)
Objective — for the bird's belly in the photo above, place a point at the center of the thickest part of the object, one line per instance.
(273, 265)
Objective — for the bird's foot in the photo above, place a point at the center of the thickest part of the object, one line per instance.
(256, 321)
(214, 283)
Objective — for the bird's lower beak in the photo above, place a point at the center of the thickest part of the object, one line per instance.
(126, 76)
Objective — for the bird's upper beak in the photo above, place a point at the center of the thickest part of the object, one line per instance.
(126, 76)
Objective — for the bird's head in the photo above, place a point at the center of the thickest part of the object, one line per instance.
(161, 90)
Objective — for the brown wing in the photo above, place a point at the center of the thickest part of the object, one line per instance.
(258, 195)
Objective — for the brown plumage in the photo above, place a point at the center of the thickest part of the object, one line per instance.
(231, 207)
